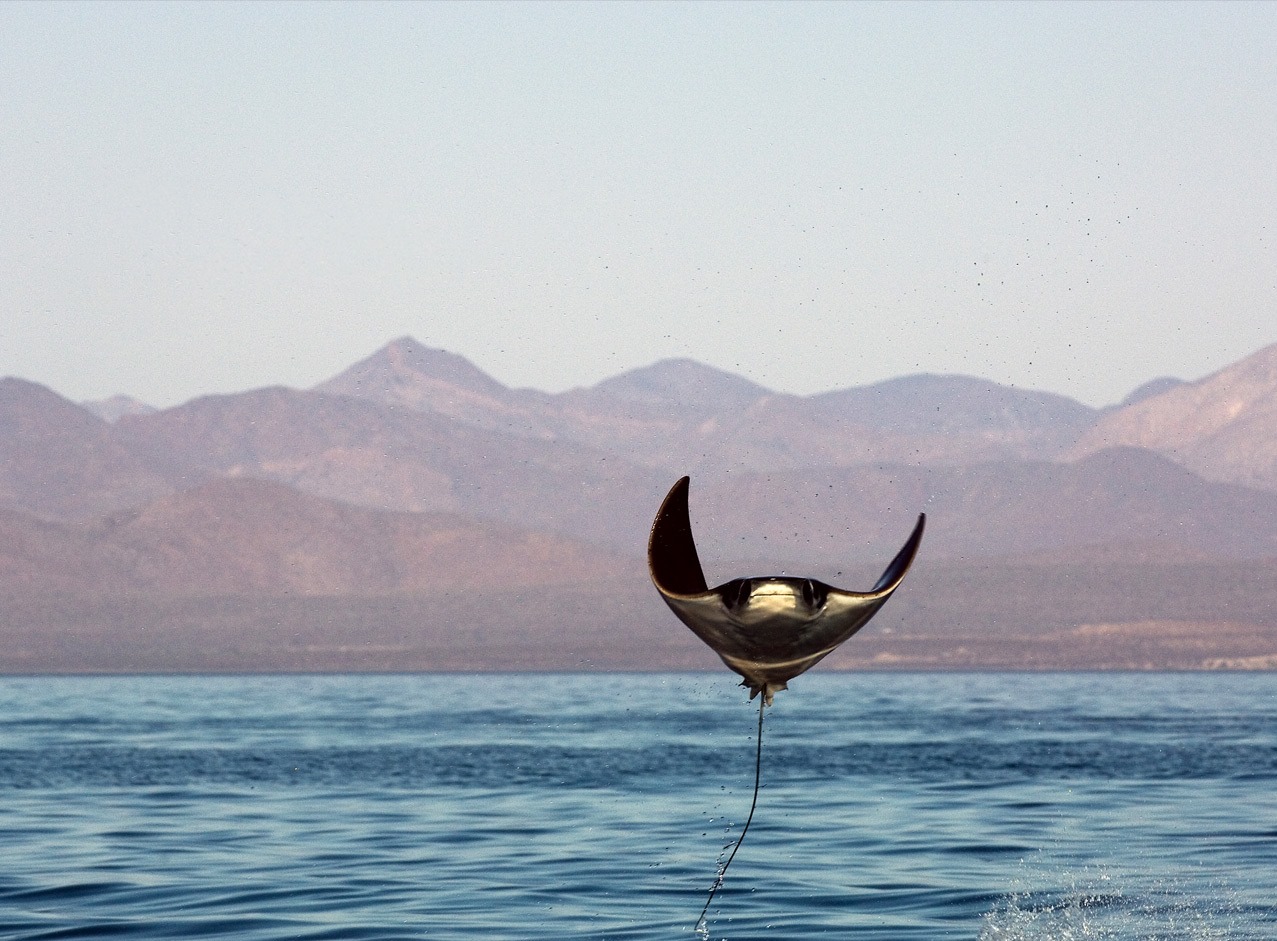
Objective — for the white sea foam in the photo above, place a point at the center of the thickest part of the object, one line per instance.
(1098, 907)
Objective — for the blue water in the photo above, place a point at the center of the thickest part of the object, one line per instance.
(980, 807)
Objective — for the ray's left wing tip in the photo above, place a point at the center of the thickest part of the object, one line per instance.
(672, 561)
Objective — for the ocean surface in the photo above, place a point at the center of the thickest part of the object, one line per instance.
(894, 807)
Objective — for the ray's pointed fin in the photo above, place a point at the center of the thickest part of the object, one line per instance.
(671, 551)
(895, 572)
(855, 608)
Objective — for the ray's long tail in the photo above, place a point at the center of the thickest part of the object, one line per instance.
(758, 775)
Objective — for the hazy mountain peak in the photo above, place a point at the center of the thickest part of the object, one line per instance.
(404, 364)
(1189, 411)
(410, 374)
(931, 403)
(116, 407)
(685, 383)
(1125, 462)
(1246, 380)
(1220, 426)
(21, 399)
(1150, 389)
(59, 460)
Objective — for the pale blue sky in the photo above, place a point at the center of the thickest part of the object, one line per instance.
(207, 198)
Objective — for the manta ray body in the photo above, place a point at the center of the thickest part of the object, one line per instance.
(768, 629)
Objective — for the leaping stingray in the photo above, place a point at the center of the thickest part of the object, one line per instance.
(769, 629)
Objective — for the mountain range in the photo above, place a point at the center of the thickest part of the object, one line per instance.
(418, 514)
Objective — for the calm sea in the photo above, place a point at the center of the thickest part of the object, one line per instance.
(894, 807)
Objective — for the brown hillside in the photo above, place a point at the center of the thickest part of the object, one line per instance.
(254, 537)
(1223, 427)
(1122, 497)
(60, 461)
(362, 452)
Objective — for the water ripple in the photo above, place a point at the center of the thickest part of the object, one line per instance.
(998, 808)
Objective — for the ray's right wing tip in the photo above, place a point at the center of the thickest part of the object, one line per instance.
(894, 574)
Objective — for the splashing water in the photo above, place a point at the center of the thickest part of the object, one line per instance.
(1095, 910)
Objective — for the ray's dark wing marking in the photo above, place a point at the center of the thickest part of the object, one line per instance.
(895, 572)
(671, 551)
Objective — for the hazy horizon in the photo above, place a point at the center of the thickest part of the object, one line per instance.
(905, 376)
